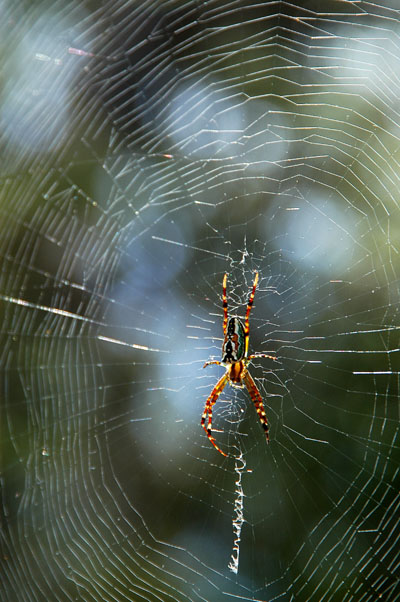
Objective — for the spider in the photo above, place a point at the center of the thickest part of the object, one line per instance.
(236, 359)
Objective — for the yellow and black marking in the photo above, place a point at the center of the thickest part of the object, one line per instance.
(249, 306)
(236, 373)
(215, 393)
(233, 347)
(224, 303)
(258, 402)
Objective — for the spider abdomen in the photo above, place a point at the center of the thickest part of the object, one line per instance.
(233, 347)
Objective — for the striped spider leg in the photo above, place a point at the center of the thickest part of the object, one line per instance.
(235, 358)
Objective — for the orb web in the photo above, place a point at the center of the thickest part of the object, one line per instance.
(148, 148)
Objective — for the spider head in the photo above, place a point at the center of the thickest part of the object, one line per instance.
(233, 347)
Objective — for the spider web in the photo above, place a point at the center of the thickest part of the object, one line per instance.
(147, 149)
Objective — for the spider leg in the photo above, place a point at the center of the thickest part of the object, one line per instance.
(246, 322)
(257, 400)
(255, 355)
(212, 362)
(224, 303)
(215, 393)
